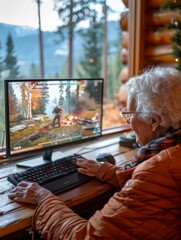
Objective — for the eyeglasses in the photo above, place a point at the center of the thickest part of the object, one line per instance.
(127, 114)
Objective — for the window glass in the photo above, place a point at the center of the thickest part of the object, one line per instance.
(36, 42)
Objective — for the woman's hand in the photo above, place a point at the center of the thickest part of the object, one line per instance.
(88, 167)
(27, 192)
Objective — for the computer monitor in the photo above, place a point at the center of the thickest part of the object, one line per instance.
(42, 115)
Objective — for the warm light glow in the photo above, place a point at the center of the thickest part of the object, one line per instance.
(176, 59)
(91, 60)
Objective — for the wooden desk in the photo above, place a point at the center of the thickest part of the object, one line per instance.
(92, 195)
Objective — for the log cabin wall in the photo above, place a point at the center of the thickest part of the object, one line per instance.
(158, 45)
(132, 26)
(145, 34)
(124, 73)
(121, 95)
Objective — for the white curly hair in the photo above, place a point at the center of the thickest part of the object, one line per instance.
(157, 90)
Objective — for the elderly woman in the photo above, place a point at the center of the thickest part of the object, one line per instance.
(148, 205)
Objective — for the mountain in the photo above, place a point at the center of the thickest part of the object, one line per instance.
(26, 46)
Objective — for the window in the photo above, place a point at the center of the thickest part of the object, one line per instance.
(32, 46)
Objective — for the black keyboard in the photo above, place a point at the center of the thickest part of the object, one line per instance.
(56, 176)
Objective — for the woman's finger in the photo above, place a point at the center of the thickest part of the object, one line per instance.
(86, 172)
(23, 184)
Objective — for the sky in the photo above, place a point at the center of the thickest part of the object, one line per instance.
(25, 13)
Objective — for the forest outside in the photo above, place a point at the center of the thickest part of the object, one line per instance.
(83, 59)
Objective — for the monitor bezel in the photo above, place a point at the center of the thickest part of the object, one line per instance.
(47, 149)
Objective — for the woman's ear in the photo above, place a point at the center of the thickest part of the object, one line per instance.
(156, 120)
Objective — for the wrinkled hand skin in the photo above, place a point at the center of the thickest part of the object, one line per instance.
(88, 167)
(26, 192)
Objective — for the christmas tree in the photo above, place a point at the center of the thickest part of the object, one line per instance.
(175, 23)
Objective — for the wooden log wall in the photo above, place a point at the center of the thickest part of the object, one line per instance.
(121, 95)
(157, 42)
(158, 45)
(124, 73)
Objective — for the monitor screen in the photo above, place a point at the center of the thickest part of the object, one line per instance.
(45, 114)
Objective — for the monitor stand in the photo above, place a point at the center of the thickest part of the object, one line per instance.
(47, 155)
(34, 161)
